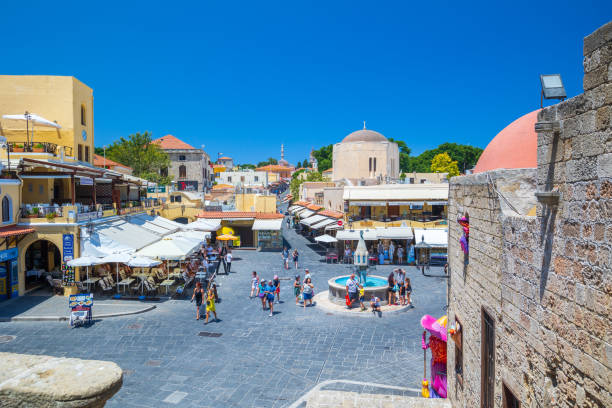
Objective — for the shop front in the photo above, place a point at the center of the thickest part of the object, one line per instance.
(9, 273)
(269, 235)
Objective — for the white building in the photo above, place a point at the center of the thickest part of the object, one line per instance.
(246, 178)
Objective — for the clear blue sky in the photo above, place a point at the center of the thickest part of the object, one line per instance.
(244, 77)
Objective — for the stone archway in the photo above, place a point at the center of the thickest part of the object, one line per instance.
(54, 242)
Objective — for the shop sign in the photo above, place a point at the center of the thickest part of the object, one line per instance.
(8, 254)
(437, 202)
(68, 247)
(213, 208)
(86, 181)
(158, 189)
(83, 300)
(369, 203)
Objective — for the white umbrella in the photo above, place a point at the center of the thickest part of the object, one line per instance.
(86, 261)
(117, 258)
(35, 119)
(143, 262)
(176, 249)
(325, 238)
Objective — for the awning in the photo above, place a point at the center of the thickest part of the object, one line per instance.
(174, 248)
(323, 223)
(394, 233)
(297, 210)
(353, 235)
(293, 208)
(326, 238)
(126, 234)
(437, 202)
(306, 213)
(434, 237)
(313, 220)
(268, 225)
(204, 224)
(333, 227)
(14, 230)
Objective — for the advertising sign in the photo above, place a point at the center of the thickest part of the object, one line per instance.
(82, 300)
(68, 247)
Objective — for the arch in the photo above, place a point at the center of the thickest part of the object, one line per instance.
(41, 254)
(26, 243)
(7, 207)
(182, 171)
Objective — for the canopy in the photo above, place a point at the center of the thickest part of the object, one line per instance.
(143, 262)
(34, 118)
(226, 237)
(306, 213)
(353, 235)
(204, 224)
(198, 236)
(168, 248)
(85, 261)
(116, 258)
(333, 227)
(394, 233)
(434, 237)
(268, 225)
(323, 223)
(313, 220)
(326, 238)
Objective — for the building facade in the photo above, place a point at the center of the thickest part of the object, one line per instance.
(529, 297)
(243, 178)
(189, 167)
(313, 191)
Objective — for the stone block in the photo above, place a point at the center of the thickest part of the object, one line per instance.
(597, 39)
(602, 119)
(599, 57)
(604, 165)
(595, 78)
(582, 169)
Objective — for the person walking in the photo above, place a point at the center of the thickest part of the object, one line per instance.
(400, 255)
(391, 252)
(269, 291)
(276, 282)
(297, 289)
(408, 289)
(390, 290)
(228, 260)
(307, 274)
(198, 294)
(307, 291)
(254, 285)
(296, 256)
(210, 305)
(262, 293)
(285, 256)
(352, 290)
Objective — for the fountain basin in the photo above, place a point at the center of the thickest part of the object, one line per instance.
(375, 286)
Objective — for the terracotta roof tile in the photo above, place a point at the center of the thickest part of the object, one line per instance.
(13, 230)
(170, 142)
(99, 162)
(314, 207)
(331, 213)
(239, 214)
(302, 203)
(274, 167)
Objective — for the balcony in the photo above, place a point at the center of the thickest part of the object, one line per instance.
(38, 147)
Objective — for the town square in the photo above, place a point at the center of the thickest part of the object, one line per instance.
(306, 205)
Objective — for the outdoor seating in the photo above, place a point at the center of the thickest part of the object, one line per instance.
(81, 288)
(150, 287)
(55, 284)
(330, 257)
(105, 286)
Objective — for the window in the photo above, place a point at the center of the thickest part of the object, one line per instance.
(80, 156)
(83, 115)
(458, 340)
(6, 209)
(182, 157)
(487, 368)
(242, 179)
(86, 153)
(182, 171)
(375, 164)
(370, 164)
(510, 400)
(411, 180)
(229, 179)
(256, 178)
(163, 172)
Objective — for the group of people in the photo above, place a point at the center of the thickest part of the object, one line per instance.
(267, 291)
(199, 294)
(395, 255)
(355, 291)
(400, 288)
(295, 256)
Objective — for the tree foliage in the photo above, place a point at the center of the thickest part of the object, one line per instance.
(324, 157)
(270, 160)
(246, 166)
(297, 181)
(466, 157)
(145, 158)
(442, 163)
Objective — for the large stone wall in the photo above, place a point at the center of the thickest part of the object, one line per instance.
(546, 279)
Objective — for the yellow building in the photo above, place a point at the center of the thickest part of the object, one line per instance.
(256, 203)
(61, 99)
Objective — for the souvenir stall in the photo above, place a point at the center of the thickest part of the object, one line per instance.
(435, 387)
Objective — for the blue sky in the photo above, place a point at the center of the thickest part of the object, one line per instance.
(243, 77)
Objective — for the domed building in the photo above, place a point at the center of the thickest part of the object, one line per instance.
(515, 147)
(365, 155)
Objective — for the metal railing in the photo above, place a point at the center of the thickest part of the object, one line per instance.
(38, 147)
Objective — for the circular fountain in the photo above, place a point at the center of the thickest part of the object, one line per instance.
(372, 285)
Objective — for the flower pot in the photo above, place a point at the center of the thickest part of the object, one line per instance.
(38, 149)
(18, 149)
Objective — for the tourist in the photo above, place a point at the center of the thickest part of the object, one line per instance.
(307, 274)
(209, 250)
(391, 252)
(381, 254)
(285, 256)
(352, 290)
(347, 255)
(361, 297)
(296, 256)
(391, 289)
(277, 288)
(307, 291)
(400, 255)
(269, 291)
(375, 304)
(210, 304)
(408, 289)
(228, 260)
(400, 282)
(254, 285)
(297, 289)
(198, 293)
(262, 293)
(400, 275)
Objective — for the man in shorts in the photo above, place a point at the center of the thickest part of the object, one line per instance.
(352, 289)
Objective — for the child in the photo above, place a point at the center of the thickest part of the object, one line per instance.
(297, 289)
(210, 305)
(277, 288)
(261, 292)
(361, 297)
(375, 304)
(408, 289)
(254, 285)
(270, 289)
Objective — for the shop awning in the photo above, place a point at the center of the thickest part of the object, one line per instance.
(323, 223)
(293, 208)
(14, 230)
(434, 237)
(353, 235)
(394, 233)
(268, 225)
(204, 224)
(170, 248)
(306, 213)
(296, 208)
(437, 202)
(126, 234)
(313, 220)
(325, 238)
(333, 227)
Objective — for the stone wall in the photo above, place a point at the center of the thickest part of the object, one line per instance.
(546, 279)
(194, 165)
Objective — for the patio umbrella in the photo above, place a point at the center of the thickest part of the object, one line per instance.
(325, 238)
(143, 262)
(174, 249)
(117, 259)
(35, 119)
(226, 237)
(85, 261)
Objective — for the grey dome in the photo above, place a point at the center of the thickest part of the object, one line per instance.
(364, 135)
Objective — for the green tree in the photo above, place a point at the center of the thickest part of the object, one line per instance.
(270, 160)
(99, 151)
(324, 157)
(442, 163)
(145, 158)
(246, 166)
(297, 181)
(465, 155)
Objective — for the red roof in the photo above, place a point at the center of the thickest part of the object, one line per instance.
(515, 147)
(331, 213)
(13, 230)
(274, 168)
(302, 203)
(99, 161)
(225, 158)
(314, 207)
(239, 214)
(170, 142)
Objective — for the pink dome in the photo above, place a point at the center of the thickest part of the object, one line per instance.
(515, 147)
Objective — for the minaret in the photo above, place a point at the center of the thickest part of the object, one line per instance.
(282, 151)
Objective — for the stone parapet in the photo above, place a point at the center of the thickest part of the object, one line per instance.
(43, 381)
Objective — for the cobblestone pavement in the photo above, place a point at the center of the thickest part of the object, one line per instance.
(257, 360)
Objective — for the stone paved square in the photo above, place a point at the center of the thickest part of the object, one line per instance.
(258, 360)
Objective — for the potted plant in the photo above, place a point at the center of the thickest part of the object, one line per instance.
(18, 147)
(38, 148)
(50, 216)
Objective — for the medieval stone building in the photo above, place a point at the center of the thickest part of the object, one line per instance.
(530, 298)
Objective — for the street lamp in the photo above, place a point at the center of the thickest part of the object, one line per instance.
(552, 88)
